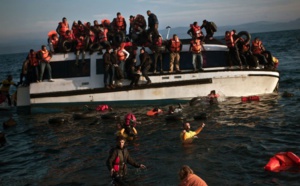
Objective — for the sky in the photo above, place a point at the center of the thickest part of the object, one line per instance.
(33, 19)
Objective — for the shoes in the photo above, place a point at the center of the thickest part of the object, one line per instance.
(148, 82)
(178, 71)
(170, 71)
(51, 80)
(112, 86)
(195, 70)
(38, 81)
(161, 72)
(107, 87)
(154, 72)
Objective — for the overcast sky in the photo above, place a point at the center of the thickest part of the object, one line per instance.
(27, 18)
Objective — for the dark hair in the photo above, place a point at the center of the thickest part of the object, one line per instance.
(119, 138)
(31, 50)
(118, 13)
(195, 23)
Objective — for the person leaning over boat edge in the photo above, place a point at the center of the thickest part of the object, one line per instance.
(45, 57)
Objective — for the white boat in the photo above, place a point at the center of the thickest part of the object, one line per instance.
(84, 83)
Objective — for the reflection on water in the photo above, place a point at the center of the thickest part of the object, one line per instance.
(236, 143)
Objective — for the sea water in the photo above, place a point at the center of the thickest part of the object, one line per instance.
(237, 142)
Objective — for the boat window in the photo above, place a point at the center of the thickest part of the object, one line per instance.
(215, 59)
(99, 66)
(69, 69)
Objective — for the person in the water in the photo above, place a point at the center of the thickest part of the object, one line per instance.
(116, 163)
(187, 135)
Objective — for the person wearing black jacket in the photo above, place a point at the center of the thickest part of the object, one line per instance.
(152, 24)
(108, 71)
(210, 29)
(116, 162)
(145, 64)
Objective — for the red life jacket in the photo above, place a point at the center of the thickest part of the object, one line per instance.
(102, 107)
(196, 46)
(63, 28)
(119, 23)
(117, 164)
(121, 55)
(196, 30)
(45, 55)
(158, 42)
(256, 47)
(33, 60)
(105, 22)
(175, 45)
(92, 36)
(80, 44)
(130, 118)
(229, 40)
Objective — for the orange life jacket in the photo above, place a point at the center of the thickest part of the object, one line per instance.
(121, 55)
(32, 59)
(175, 45)
(256, 47)
(105, 22)
(63, 28)
(54, 42)
(158, 42)
(196, 46)
(45, 55)
(229, 40)
(103, 35)
(119, 23)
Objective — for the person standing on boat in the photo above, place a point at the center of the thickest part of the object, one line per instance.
(175, 46)
(158, 43)
(152, 25)
(118, 75)
(145, 64)
(187, 177)
(117, 160)
(131, 26)
(6, 86)
(123, 55)
(33, 66)
(196, 48)
(210, 29)
(233, 51)
(119, 24)
(45, 57)
(108, 70)
(62, 29)
(187, 135)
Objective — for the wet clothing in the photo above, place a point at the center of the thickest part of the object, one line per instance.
(188, 135)
(192, 180)
(123, 157)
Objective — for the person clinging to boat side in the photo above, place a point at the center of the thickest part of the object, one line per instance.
(187, 135)
(45, 57)
(175, 47)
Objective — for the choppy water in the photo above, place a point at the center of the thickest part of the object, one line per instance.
(236, 143)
